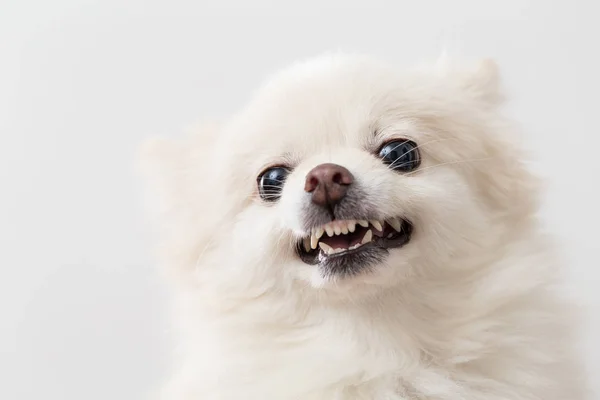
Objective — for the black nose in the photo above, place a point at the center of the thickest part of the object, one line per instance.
(328, 184)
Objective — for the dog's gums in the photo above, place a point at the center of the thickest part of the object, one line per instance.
(343, 239)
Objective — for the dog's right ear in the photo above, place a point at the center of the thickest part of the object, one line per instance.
(161, 163)
(173, 169)
(178, 201)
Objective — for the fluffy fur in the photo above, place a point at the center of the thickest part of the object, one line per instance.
(466, 311)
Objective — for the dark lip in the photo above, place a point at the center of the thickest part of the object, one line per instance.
(353, 261)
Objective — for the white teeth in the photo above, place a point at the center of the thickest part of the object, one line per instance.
(330, 250)
(395, 223)
(319, 232)
(346, 227)
(306, 244)
(326, 248)
(351, 226)
(377, 225)
(313, 242)
(329, 230)
(367, 238)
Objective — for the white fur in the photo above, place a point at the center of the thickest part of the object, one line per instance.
(468, 310)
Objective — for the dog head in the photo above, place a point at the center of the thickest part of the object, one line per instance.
(346, 175)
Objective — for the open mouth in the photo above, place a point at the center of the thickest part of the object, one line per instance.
(346, 240)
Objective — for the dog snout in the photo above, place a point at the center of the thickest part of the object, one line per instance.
(328, 184)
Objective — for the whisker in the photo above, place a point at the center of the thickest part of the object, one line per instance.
(272, 190)
(418, 146)
(447, 163)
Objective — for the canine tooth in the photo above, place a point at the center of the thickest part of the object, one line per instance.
(367, 238)
(313, 242)
(329, 230)
(395, 223)
(337, 229)
(319, 232)
(377, 225)
(363, 223)
(306, 242)
(327, 249)
(351, 226)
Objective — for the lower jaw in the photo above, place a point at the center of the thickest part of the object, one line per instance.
(353, 262)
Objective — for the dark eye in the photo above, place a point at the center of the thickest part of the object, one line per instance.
(400, 155)
(270, 183)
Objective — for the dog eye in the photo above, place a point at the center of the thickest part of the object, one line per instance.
(270, 183)
(400, 155)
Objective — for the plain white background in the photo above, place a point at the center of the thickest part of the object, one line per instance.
(82, 83)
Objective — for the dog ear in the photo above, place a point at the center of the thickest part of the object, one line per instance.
(172, 169)
(178, 202)
(484, 83)
(162, 163)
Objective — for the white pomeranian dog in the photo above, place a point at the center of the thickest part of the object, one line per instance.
(362, 233)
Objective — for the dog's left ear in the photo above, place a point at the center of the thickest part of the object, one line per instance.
(484, 82)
